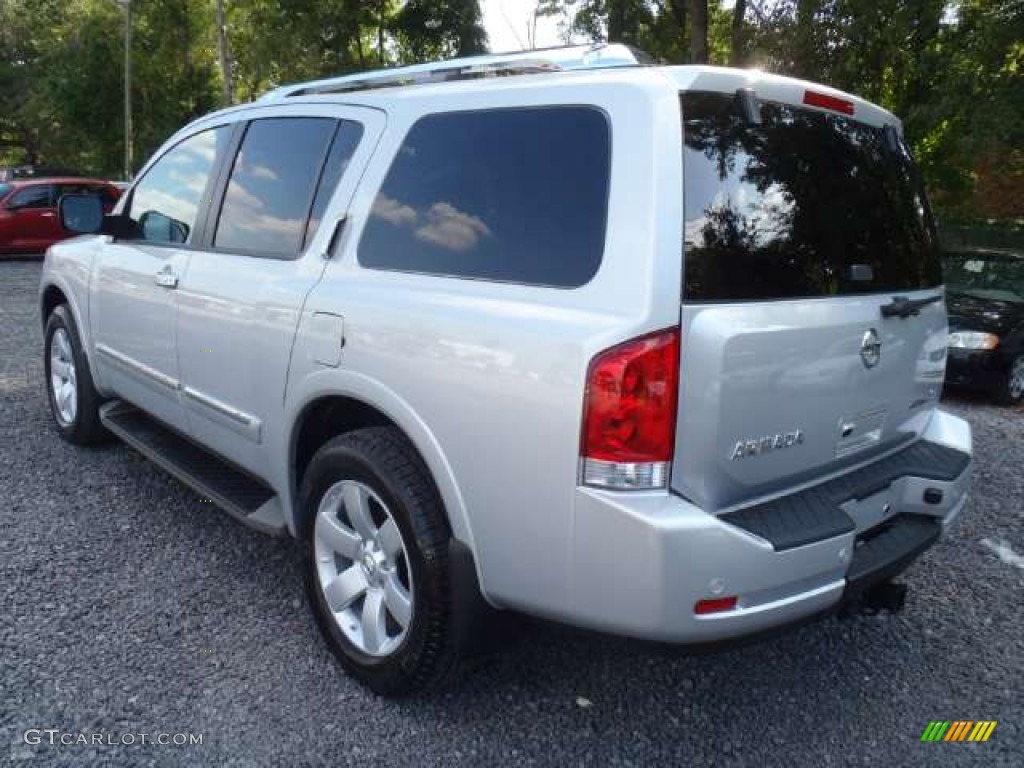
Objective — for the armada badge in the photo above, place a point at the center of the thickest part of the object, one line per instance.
(766, 444)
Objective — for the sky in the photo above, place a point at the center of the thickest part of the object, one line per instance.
(508, 23)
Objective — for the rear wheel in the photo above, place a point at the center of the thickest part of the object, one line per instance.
(74, 402)
(1011, 391)
(378, 572)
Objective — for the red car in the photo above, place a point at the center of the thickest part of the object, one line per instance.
(28, 210)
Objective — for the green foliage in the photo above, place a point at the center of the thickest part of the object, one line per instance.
(953, 70)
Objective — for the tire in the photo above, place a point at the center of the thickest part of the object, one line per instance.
(80, 424)
(376, 535)
(1011, 389)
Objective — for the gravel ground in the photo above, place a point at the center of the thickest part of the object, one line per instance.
(130, 606)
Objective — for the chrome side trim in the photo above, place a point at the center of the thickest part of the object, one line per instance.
(239, 421)
(135, 366)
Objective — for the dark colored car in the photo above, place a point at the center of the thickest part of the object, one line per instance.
(985, 297)
(28, 210)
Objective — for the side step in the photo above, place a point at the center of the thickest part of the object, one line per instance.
(237, 493)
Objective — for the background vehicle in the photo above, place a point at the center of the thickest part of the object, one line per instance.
(28, 210)
(985, 294)
(448, 325)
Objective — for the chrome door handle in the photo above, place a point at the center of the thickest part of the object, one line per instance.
(166, 278)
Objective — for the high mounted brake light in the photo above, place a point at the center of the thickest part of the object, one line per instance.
(823, 100)
(629, 413)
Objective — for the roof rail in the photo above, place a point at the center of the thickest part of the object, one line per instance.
(597, 56)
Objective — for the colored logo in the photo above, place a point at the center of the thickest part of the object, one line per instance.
(958, 730)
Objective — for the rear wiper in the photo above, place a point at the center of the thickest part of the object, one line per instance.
(901, 306)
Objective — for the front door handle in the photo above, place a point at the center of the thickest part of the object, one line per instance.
(166, 278)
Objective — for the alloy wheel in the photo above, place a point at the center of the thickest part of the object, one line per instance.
(63, 377)
(1016, 386)
(363, 568)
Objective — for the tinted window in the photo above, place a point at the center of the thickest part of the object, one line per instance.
(804, 204)
(514, 195)
(268, 198)
(167, 202)
(342, 148)
(986, 275)
(38, 196)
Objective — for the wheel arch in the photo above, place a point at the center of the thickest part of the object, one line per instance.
(352, 401)
(50, 298)
(52, 294)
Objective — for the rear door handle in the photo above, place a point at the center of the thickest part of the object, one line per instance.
(166, 278)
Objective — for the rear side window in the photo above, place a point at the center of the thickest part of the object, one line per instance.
(512, 195)
(87, 189)
(267, 202)
(805, 204)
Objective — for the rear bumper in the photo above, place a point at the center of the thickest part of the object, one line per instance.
(642, 561)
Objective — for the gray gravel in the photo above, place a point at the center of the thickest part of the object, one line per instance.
(130, 606)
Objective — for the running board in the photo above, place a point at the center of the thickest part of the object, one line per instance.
(237, 493)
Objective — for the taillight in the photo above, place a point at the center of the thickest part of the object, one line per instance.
(629, 413)
(823, 100)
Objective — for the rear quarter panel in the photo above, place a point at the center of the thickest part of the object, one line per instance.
(488, 378)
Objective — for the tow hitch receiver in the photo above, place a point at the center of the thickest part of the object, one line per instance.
(886, 596)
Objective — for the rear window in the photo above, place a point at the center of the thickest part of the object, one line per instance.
(512, 195)
(805, 204)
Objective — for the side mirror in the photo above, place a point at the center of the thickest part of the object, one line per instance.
(82, 214)
(160, 228)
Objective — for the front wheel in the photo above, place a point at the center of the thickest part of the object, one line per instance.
(1011, 391)
(74, 402)
(378, 571)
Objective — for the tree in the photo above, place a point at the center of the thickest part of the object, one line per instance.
(699, 31)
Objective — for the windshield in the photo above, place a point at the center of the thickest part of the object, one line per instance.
(803, 204)
(4, 189)
(986, 275)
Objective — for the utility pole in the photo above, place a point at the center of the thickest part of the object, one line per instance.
(129, 138)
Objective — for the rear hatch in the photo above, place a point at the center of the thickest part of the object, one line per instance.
(813, 324)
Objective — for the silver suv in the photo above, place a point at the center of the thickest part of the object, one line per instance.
(651, 350)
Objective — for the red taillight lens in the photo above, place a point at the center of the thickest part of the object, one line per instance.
(629, 412)
(716, 605)
(823, 100)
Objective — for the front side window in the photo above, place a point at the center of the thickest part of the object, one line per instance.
(166, 204)
(36, 196)
(273, 180)
(512, 195)
(804, 204)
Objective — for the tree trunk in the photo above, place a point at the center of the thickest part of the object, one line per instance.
(805, 56)
(616, 21)
(698, 31)
(381, 8)
(737, 43)
(224, 55)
